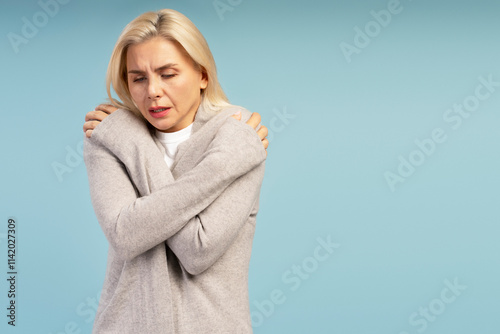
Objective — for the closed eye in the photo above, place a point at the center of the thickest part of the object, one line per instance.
(139, 79)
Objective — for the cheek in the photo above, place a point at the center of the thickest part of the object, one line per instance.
(188, 88)
(135, 93)
(177, 92)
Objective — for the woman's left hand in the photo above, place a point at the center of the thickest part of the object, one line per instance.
(254, 122)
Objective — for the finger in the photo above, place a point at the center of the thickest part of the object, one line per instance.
(88, 133)
(254, 120)
(262, 132)
(265, 142)
(107, 108)
(96, 115)
(90, 125)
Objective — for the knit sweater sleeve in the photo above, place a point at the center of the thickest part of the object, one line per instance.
(116, 158)
(207, 236)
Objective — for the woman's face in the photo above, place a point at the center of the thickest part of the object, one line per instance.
(164, 83)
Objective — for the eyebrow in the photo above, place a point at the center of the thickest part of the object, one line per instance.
(159, 69)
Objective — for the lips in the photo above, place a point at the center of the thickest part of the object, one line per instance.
(159, 111)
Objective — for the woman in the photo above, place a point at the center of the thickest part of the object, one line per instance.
(174, 178)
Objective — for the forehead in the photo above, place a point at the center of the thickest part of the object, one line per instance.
(155, 52)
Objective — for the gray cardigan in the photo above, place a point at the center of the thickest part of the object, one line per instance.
(180, 240)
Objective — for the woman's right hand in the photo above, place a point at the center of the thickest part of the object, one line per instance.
(95, 117)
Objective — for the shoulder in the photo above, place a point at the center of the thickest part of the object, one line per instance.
(223, 119)
(123, 117)
(230, 122)
(235, 130)
(213, 121)
(236, 136)
(119, 124)
(123, 134)
(231, 109)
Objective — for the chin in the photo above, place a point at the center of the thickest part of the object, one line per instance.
(162, 125)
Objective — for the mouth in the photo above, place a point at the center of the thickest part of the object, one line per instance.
(159, 111)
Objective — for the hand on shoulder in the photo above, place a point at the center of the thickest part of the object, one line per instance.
(254, 122)
(95, 117)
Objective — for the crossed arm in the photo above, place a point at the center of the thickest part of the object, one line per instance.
(199, 214)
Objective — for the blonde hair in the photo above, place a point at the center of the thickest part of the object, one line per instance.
(173, 26)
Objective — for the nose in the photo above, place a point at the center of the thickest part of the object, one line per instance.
(154, 89)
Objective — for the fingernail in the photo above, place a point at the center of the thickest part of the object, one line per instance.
(237, 113)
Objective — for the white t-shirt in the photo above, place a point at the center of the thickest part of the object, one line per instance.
(170, 140)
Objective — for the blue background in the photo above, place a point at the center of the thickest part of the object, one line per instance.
(349, 120)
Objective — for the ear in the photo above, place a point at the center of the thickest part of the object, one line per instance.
(204, 79)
